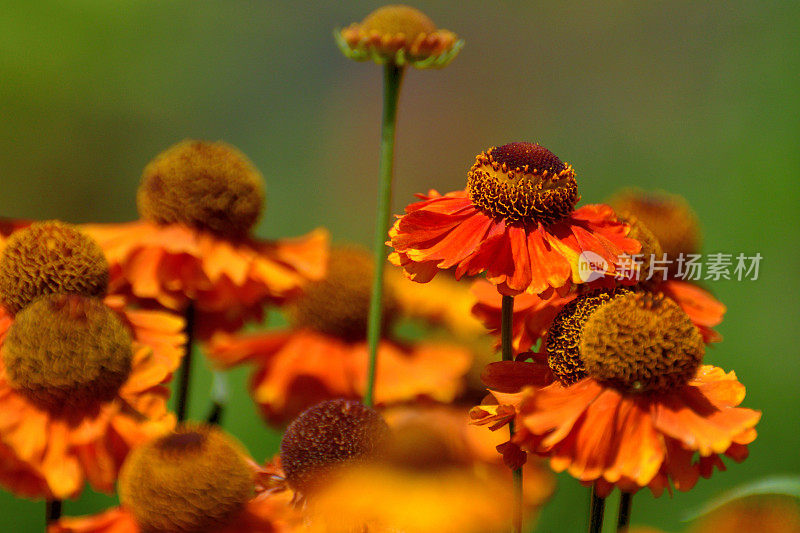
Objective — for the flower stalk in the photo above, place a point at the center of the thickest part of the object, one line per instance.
(392, 80)
(184, 379)
(624, 515)
(596, 509)
(506, 317)
(52, 511)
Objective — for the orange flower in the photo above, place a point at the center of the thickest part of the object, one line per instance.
(99, 392)
(199, 201)
(195, 479)
(323, 354)
(401, 35)
(623, 399)
(422, 482)
(515, 221)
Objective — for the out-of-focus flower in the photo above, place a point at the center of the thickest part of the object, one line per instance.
(323, 354)
(423, 483)
(199, 201)
(667, 216)
(765, 514)
(515, 221)
(194, 479)
(623, 399)
(474, 448)
(81, 379)
(442, 302)
(401, 35)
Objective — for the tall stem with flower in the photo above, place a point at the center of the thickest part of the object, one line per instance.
(392, 80)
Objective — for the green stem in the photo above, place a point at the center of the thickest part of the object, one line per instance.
(506, 316)
(624, 515)
(184, 378)
(596, 509)
(392, 78)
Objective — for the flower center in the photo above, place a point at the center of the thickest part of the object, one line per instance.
(668, 217)
(564, 335)
(67, 353)
(194, 479)
(328, 435)
(523, 182)
(394, 20)
(339, 304)
(641, 342)
(50, 258)
(210, 186)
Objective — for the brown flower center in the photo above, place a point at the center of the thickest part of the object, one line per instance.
(210, 186)
(564, 335)
(523, 182)
(394, 20)
(67, 353)
(668, 217)
(50, 258)
(329, 435)
(194, 479)
(641, 342)
(339, 304)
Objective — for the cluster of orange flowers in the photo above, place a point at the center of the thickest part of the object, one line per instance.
(607, 379)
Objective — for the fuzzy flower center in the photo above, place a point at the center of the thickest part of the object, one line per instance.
(210, 186)
(394, 20)
(667, 216)
(329, 435)
(339, 304)
(641, 342)
(194, 479)
(50, 258)
(67, 353)
(522, 182)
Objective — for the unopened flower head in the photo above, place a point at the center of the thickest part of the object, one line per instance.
(205, 185)
(50, 258)
(67, 353)
(193, 479)
(327, 436)
(339, 304)
(632, 341)
(522, 181)
(401, 35)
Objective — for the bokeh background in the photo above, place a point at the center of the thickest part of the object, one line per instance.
(701, 100)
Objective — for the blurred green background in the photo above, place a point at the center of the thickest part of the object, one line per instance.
(701, 100)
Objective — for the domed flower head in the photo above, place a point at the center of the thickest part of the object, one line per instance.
(401, 35)
(196, 478)
(515, 221)
(80, 377)
(323, 355)
(621, 398)
(199, 202)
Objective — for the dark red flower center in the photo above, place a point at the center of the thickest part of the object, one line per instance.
(522, 182)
